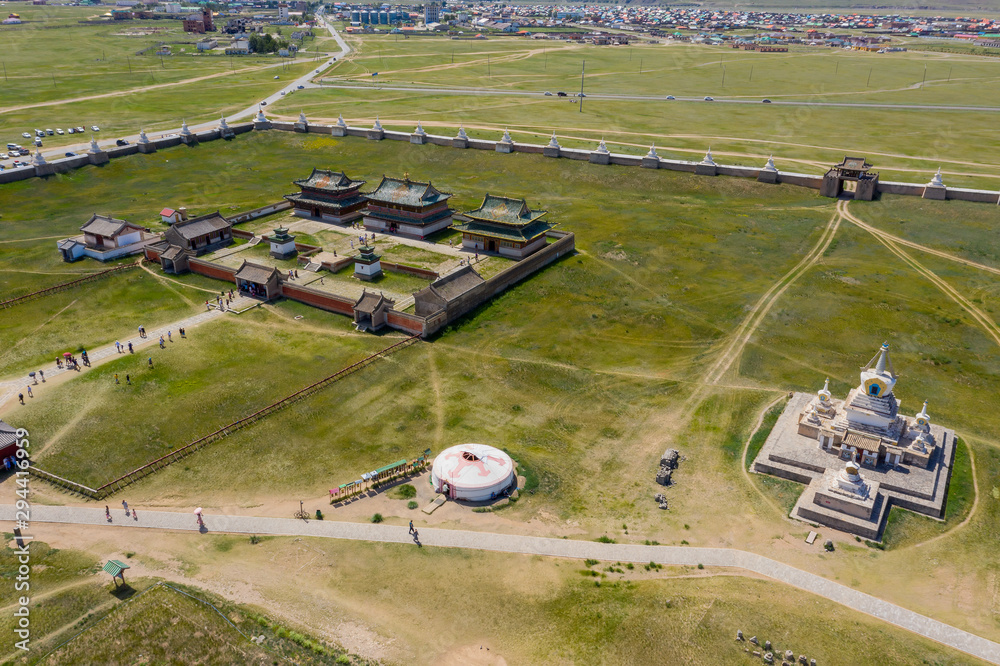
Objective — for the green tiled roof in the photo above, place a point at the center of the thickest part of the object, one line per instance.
(331, 181)
(115, 568)
(493, 230)
(505, 210)
(406, 192)
(304, 198)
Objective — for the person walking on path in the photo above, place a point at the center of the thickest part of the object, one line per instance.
(118, 347)
(416, 537)
(20, 397)
(169, 337)
(125, 506)
(183, 335)
(161, 342)
(116, 378)
(41, 373)
(135, 515)
(130, 348)
(30, 394)
(128, 380)
(107, 513)
(411, 527)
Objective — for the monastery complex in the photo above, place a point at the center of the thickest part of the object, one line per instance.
(858, 456)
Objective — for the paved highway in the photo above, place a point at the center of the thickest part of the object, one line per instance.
(647, 98)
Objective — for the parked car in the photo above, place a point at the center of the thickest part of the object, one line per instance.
(24, 152)
(70, 154)
(95, 128)
(39, 132)
(121, 142)
(276, 78)
(708, 99)
(49, 132)
(671, 97)
(765, 101)
(561, 94)
(3, 156)
(38, 142)
(11, 146)
(282, 92)
(25, 135)
(59, 131)
(79, 130)
(71, 131)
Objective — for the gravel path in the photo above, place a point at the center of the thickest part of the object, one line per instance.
(511, 543)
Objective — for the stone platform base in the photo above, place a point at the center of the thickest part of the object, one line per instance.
(766, 176)
(375, 135)
(600, 158)
(650, 163)
(502, 147)
(459, 143)
(99, 158)
(301, 127)
(146, 148)
(706, 170)
(867, 528)
(418, 139)
(550, 152)
(338, 131)
(189, 140)
(266, 125)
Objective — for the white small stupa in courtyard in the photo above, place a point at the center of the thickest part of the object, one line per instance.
(708, 158)
(553, 143)
(936, 180)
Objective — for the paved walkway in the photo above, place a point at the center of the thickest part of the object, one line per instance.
(10, 388)
(510, 543)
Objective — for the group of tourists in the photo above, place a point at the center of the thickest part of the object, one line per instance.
(128, 512)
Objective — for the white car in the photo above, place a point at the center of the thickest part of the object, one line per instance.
(95, 128)
(59, 131)
(709, 99)
(71, 130)
(79, 130)
(25, 135)
(3, 156)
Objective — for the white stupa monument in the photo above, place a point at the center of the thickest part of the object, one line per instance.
(708, 158)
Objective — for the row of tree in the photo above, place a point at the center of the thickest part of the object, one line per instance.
(265, 43)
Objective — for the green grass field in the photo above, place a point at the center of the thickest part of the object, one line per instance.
(583, 372)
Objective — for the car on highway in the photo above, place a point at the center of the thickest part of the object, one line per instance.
(95, 128)
(548, 94)
(671, 97)
(121, 142)
(264, 103)
(300, 87)
(59, 131)
(561, 94)
(709, 99)
(581, 94)
(282, 92)
(765, 101)
(70, 154)
(25, 135)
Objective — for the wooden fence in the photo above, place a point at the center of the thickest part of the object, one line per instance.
(66, 285)
(141, 472)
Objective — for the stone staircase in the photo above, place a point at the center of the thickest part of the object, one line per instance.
(254, 241)
(313, 267)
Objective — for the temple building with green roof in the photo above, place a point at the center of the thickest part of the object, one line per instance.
(505, 226)
(407, 207)
(330, 196)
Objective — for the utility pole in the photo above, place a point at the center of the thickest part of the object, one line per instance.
(869, 77)
(583, 70)
(53, 80)
(751, 72)
(949, 73)
(5, 72)
(489, 73)
(640, 66)
(129, 61)
(837, 68)
(723, 76)
(924, 80)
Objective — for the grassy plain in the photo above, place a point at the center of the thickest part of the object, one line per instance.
(583, 371)
(524, 609)
(905, 144)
